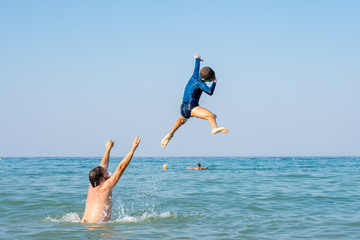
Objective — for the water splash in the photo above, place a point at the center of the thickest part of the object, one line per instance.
(68, 217)
(146, 216)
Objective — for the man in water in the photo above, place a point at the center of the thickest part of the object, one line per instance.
(199, 167)
(190, 104)
(99, 200)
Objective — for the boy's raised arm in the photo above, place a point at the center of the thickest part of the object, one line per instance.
(105, 159)
(113, 180)
(197, 63)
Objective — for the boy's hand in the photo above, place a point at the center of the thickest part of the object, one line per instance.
(197, 56)
(136, 143)
(214, 80)
(109, 144)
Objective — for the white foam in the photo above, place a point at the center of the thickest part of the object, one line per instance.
(144, 217)
(123, 218)
(69, 217)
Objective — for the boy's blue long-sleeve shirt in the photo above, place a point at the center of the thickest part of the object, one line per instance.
(196, 86)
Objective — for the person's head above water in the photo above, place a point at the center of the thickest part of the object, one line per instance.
(98, 175)
(207, 74)
(198, 167)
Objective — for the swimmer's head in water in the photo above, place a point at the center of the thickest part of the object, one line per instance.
(98, 175)
(198, 165)
(207, 74)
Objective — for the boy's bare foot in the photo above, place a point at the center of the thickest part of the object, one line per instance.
(220, 129)
(166, 140)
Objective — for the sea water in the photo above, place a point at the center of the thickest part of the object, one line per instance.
(237, 198)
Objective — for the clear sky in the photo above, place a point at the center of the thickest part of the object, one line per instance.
(74, 74)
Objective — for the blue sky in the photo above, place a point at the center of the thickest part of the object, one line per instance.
(74, 74)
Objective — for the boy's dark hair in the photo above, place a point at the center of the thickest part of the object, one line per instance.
(207, 73)
(199, 165)
(95, 175)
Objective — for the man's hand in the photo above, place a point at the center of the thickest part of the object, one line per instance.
(109, 144)
(214, 80)
(197, 56)
(105, 159)
(136, 143)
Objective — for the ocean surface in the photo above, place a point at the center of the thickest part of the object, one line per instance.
(237, 198)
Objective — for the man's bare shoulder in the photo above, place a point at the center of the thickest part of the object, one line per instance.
(106, 186)
(102, 189)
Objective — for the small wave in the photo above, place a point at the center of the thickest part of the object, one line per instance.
(151, 216)
(69, 217)
(144, 217)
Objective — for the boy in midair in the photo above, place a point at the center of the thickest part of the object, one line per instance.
(190, 104)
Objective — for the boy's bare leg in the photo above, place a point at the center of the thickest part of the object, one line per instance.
(203, 113)
(176, 126)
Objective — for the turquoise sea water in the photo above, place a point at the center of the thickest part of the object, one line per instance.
(237, 198)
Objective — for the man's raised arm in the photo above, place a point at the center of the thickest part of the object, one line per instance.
(113, 180)
(105, 159)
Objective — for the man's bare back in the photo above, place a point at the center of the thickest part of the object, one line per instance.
(99, 200)
(98, 205)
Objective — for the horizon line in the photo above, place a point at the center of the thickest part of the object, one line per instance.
(244, 156)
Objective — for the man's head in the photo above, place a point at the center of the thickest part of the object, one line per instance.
(98, 175)
(207, 74)
(198, 165)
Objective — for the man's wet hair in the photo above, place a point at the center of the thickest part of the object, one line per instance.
(95, 175)
(207, 73)
(199, 165)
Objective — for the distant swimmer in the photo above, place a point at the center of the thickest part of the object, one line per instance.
(99, 200)
(190, 104)
(199, 167)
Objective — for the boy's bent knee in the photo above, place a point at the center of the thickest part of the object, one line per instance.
(211, 115)
(182, 120)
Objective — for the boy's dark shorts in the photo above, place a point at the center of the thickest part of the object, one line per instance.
(185, 108)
